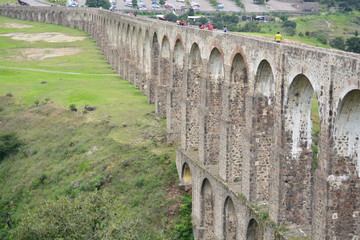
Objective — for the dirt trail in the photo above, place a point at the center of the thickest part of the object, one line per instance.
(50, 71)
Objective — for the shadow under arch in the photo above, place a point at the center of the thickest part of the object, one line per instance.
(207, 210)
(232, 131)
(230, 220)
(253, 231)
(297, 163)
(345, 168)
(190, 138)
(212, 108)
(176, 93)
(186, 175)
(165, 78)
(262, 131)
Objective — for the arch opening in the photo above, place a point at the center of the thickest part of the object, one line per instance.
(230, 220)
(207, 210)
(253, 231)
(186, 174)
(262, 125)
(212, 100)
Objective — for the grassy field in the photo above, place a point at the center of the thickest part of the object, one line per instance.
(330, 24)
(118, 147)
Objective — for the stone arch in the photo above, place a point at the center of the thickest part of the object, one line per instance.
(190, 137)
(347, 132)
(77, 17)
(253, 231)
(233, 129)
(186, 176)
(147, 60)
(298, 114)
(133, 45)
(140, 44)
(60, 18)
(155, 49)
(297, 173)
(211, 103)
(344, 174)
(175, 93)
(230, 220)
(262, 131)
(165, 76)
(207, 210)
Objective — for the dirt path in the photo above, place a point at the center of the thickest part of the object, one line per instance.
(50, 71)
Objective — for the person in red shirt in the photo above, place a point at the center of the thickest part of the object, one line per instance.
(202, 26)
(210, 27)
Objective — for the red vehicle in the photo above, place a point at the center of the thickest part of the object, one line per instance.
(167, 5)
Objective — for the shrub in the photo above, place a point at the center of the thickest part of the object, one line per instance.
(322, 38)
(9, 94)
(338, 43)
(9, 143)
(191, 11)
(353, 44)
(301, 34)
(203, 20)
(96, 215)
(98, 3)
(251, 27)
(284, 17)
(171, 17)
(290, 31)
(183, 227)
(72, 107)
(289, 24)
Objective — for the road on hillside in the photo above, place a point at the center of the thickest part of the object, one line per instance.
(229, 5)
(37, 3)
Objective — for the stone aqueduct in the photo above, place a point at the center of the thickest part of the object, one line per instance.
(241, 108)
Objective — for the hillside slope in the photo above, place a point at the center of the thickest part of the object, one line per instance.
(118, 148)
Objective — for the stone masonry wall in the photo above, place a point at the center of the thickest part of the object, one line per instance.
(241, 108)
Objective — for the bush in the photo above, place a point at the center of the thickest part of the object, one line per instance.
(290, 31)
(96, 215)
(289, 24)
(72, 107)
(251, 27)
(183, 227)
(98, 3)
(338, 43)
(171, 17)
(9, 143)
(322, 38)
(353, 44)
(191, 12)
(203, 20)
(284, 17)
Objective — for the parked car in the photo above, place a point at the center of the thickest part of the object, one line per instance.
(180, 0)
(167, 5)
(128, 4)
(155, 5)
(220, 6)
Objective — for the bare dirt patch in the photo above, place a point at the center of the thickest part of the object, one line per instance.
(42, 53)
(15, 25)
(46, 37)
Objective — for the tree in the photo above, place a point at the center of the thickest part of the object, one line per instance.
(356, 33)
(203, 20)
(338, 43)
(94, 215)
(290, 24)
(171, 17)
(322, 38)
(284, 17)
(134, 3)
(251, 27)
(162, 2)
(98, 3)
(191, 12)
(353, 45)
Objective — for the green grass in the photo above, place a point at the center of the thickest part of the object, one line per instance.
(117, 147)
(7, 1)
(331, 24)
